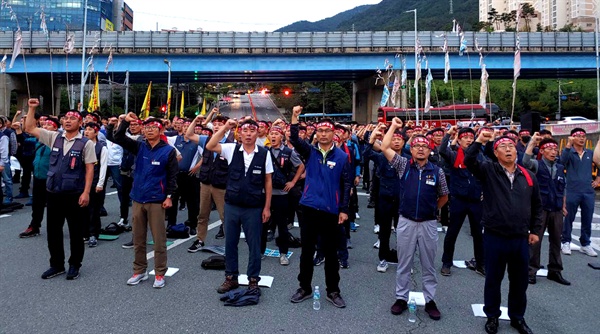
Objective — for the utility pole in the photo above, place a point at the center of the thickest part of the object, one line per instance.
(81, 91)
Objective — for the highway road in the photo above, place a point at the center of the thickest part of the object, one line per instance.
(100, 301)
(264, 108)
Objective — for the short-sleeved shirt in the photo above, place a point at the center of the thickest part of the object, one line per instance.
(49, 137)
(227, 153)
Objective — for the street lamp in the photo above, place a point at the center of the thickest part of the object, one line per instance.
(416, 64)
(560, 84)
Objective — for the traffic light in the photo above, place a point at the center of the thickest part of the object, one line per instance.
(286, 92)
(163, 109)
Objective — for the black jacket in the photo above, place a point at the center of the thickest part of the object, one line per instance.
(510, 211)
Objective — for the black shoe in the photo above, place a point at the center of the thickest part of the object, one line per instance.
(196, 246)
(270, 235)
(344, 264)
(300, 296)
(556, 276)
(53, 272)
(491, 325)
(193, 231)
(336, 299)
(128, 245)
(371, 205)
(30, 232)
(532, 280)
(182, 206)
(432, 310)
(471, 264)
(399, 306)
(103, 212)
(22, 195)
(480, 270)
(73, 273)
(221, 233)
(521, 326)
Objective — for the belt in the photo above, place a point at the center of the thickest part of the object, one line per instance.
(420, 220)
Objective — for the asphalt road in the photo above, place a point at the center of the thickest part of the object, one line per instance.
(264, 108)
(100, 301)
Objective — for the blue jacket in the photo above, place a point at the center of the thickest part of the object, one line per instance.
(551, 189)
(328, 181)
(419, 205)
(389, 185)
(579, 171)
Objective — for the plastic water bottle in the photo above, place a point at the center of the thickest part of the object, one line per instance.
(316, 299)
(412, 309)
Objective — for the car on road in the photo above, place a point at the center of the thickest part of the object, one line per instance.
(575, 119)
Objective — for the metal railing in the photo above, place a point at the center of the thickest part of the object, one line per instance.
(295, 42)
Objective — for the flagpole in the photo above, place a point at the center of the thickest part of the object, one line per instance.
(416, 65)
(81, 91)
(126, 91)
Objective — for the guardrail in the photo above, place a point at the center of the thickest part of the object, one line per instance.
(295, 42)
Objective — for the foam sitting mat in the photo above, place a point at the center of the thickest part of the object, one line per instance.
(169, 243)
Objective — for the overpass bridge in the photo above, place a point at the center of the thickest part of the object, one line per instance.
(289, 57)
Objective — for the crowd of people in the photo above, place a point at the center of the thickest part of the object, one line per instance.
(512, 185)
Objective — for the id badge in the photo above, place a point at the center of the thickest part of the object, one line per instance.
(155, 163)
(430, 182)
(256, 171)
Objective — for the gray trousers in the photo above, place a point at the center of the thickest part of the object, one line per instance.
(411, 235)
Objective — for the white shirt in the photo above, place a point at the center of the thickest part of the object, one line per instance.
(115, 153)
(227, 153)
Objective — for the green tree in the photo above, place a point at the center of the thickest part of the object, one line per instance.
(539, 106)
(494, 18)
(527, 13)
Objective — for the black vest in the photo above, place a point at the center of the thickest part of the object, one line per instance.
(66, 174)
(214, 170)
(283, 169)
(551, 189)
(246, 189)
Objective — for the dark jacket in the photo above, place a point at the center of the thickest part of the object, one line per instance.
(463, 184)
(152, 183)
(328, 181)
(390, 185)
(512, 211)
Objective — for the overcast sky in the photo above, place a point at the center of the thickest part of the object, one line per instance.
(234, 15)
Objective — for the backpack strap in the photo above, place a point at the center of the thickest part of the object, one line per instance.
(527, 176)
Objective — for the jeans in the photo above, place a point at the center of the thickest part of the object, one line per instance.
(250, 220)
(586, 202)
(8, 183)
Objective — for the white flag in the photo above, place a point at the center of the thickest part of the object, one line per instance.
(43, 25)
(69, 43)
(428, 82)
(453, 26)
(109, 61)
(16, 48)
(484, 85)
(517, 63)
(404, 78)
(3, 65)
(463, 44)
(446, 67)
(396, 85)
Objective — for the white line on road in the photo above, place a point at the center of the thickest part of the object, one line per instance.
(178, 242)
(4, 216)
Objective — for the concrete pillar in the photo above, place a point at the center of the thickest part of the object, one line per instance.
(366, 99)
(8, 84)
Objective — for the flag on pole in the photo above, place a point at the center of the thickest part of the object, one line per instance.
(428, 82)
(517, 63)
(16, 48)
(168, 111)
(396, 87)
(463, 44)
(94, 103)
(109, 61)
(484, 85)
(181, 115)
(385, 96)
(3, 64)
(203, 111)
(69, 43)
(404, 77)
(145, 112)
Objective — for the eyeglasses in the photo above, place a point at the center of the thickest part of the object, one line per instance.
(506, 146)
(419, 147)
(151, 127)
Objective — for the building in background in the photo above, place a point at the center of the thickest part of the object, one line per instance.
(107, 15)
(551, 14)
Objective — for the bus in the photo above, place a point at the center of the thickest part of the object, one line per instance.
(315, 117)
(459, 114)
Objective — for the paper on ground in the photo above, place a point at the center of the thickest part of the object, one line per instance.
(265, 281)
(170, 272)
(242, 235)
(542, 273)
(459, 264)
(442, 229)
(418, 296)
(478, 311)
(296, 224)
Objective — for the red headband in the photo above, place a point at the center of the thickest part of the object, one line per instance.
(548, 145)
(73, 113)
(464, 134)
(524, 131)
(437, 131)
(418, 140)
(336, 138)
(249, 126)
(263, 123)
(326, 124)
(95, 127)
(48, 122)
(502, 141)
(277, 129)
(511, 135)
(578, 133)
(398, 134)
(417, 128)
(157, 124)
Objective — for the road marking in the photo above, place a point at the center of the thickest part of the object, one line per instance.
(362, 194)
(595, 226)
(5, 216)
(111, 193)
(178, 242)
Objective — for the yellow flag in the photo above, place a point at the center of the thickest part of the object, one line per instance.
(203, 111)
(181, 115)
(169, 103)
(145, 112)
(94, 104)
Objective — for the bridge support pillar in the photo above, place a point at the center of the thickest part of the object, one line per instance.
(38, 87)
(366, 99)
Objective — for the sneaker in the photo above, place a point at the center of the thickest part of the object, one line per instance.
(123, 222)
(565, 248)
(588, 250)
(93, 242)
(137, 278)
(336, 299)
(159, 282)
(376, 229)
(29, 232)
(253, 284)
(344, 264)
(353, 227)
(73, 273)
(357, 216)
(318, 261)
(471, 264)
(300, 296)
(446, 271)
(432, 310)
(382, 266)
(53, 272)
(229, 284)
(393, 230)
(348, 244)
(399, 306)
(221, 233)
(128, 245)
(283, 260)
(198, 245)
(376, 245)
(21, 196)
